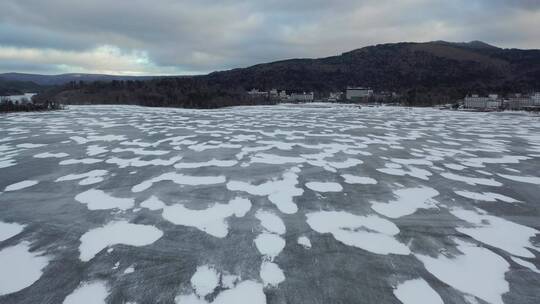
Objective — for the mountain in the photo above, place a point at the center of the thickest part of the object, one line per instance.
(422, 73)
(15, 87)
(66, 78)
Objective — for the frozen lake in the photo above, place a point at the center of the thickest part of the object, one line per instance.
(278, 204)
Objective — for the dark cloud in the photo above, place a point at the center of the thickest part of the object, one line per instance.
(191, 36)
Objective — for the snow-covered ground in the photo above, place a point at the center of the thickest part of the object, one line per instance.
(279, 204)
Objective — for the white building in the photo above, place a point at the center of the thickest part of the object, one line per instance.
(257, 93)
(520, 102)
(481, 102)
(536, 99)
(333, 97)
(355, 93)
(302, 97)
(20, 99)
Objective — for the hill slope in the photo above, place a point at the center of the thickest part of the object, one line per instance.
(423, 73)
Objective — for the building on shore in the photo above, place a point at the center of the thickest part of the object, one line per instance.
(302, 97)
(257, 93)
(490, 102)
(523, 102)
(358, 93)
(335, 96)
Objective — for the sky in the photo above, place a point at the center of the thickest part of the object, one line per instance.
(183, 37)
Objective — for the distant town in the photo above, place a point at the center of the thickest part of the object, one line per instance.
(491, 102)
(359, 95)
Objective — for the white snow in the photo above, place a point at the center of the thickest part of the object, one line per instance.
(526, 264)
(364, 180)
(408, 201)
(211, 220)
(20, 268)
(88, 178)
(180, 179)
(153, 203)
(279, 192)
(83, 161)
(324, 186)
(21, 185)
(269, 244)
(9, 230)
(210, 163)
(99, 200)
(478, 271)
(522, 179)
(472, 180)
(121, 232)
(271, 274)
(352, 230)
(497, 232)
(88, 293)
(417, 291)
(271, 222)
(51, 155)
(304, 242)
(486, 196)
(205, 280)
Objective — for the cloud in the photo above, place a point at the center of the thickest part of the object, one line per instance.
(190, 36)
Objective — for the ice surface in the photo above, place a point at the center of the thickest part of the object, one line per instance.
(120, 232)
(186, 166)
(99, 200)
(20, 267)
(88, 293)
(417, 291)
(407, 202)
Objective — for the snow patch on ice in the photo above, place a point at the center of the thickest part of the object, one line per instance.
(497, 232)
(20, 267)
(9, 230)
(271, 274)
(478, 271)
(99, 200)
(180, 179)
(407, 202)
(20, 185)
(211, 220)
(121, 232)
(279, 192)
(88, 178)
(370, 233)
(364, 180)
(88, 293)
(417, 291)
(324, 186)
